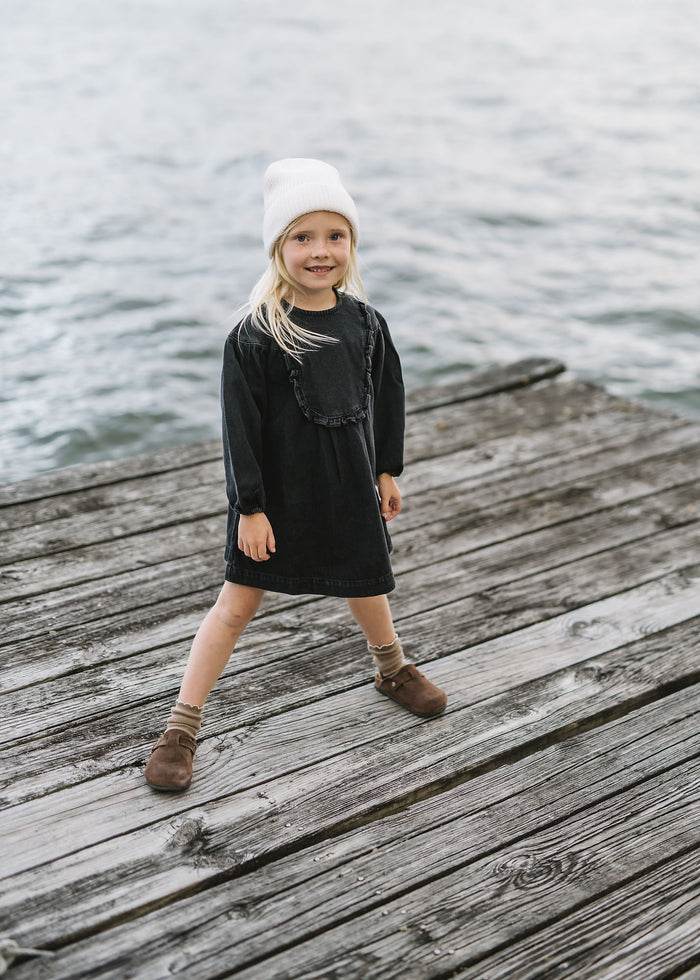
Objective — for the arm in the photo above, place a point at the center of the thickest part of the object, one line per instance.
(389, 403)
(243, 403)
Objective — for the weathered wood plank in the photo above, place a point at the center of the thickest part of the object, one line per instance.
(529, 483)
(249, 818)
(39, 766)
(77, 478)
(87, 601)
(555, 529)
(431, 636)
(475, 385)
(677, 504)
(374, 866)
(654, 460)
(490, 381)
(502, 898)
(71, 639)
(100, 528)
(647, 929)
(509, 457)
(93, 500)
(577, 455)
(441, 431)
(438, 432)
(495, 422)
(259, 911)
(455, 585)
(419, 611)
(173, 561)
(308, 661)
(63, 537)
(85, 559)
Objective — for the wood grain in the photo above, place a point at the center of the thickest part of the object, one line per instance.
(368, 868)
(545, 826)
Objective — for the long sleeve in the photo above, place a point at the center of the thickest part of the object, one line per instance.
(243, 402)
(389, 403)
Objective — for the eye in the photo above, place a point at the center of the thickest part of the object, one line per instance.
(300, 238)
(336, 236)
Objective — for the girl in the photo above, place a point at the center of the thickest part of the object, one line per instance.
(313, 421)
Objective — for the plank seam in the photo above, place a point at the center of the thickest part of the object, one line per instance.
(311, 840)
(680, 971)
(494, 476)
(612, 472)
(548, 568)
(571, 911)
(664, 426)
(300, 601)
(507, 757)
(541, 373)
(680, 522)
(304, 601)
(475, 960)
(542, 370)
(96, 481)
(496, 761)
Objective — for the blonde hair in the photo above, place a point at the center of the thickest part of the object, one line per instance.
(272, 298)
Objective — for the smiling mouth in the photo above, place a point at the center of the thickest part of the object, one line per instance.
(319, 268)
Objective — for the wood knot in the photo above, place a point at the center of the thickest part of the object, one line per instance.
(189, 835)
(592, 629)
(597, 673)
(200, 845)
(530, 872)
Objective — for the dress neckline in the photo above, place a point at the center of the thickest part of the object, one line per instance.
(339, 300)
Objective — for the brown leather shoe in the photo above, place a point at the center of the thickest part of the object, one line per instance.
(413, 691)
(170, 765)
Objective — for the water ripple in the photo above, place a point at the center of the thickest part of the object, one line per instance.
(527, 177)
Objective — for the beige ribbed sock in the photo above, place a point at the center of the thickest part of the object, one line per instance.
(186, 717)
(388, 658)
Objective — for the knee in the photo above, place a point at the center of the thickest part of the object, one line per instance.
(235, 611)
(234, 619)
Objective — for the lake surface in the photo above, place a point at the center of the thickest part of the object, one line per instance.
(527, 176)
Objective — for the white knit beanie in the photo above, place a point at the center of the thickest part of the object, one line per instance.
(298, 186)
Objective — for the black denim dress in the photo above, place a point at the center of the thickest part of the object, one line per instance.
(305, 443)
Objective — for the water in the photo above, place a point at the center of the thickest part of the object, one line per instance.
(527, 175)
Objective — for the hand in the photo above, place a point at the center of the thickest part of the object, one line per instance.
(255, 537)
(389, 497)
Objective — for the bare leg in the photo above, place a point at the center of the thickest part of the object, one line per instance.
(216, 638)
(373, 616)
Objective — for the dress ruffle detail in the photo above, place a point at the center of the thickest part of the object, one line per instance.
(352, 413)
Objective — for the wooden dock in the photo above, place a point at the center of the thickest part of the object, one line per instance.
(546, 826)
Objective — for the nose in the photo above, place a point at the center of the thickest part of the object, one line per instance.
(319, 247)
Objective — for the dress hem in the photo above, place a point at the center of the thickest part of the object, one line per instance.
(360, 589)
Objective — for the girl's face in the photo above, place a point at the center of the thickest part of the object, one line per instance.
(316, 253)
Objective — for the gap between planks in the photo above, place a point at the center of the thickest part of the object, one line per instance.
(439, 433)
(619, 759)
(549, 703)
(671, 507)
(473, 386)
